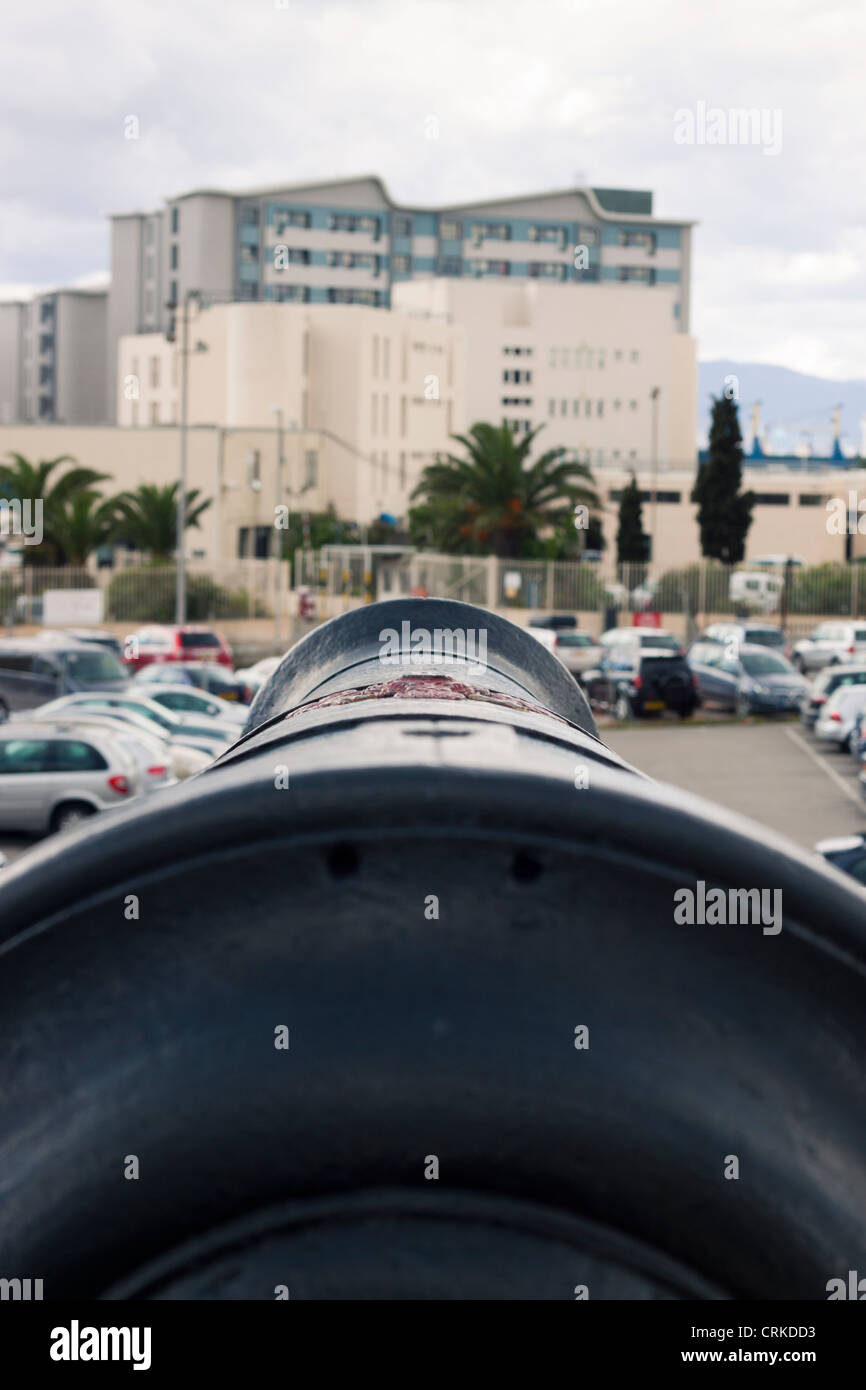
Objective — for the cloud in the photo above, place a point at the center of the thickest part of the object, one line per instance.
(238, 92)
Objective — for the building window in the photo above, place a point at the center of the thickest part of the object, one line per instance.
(291, 294)
(811, 499)
(634, 356)
(402, 265)
(402, 417)
(46, 342)
(645, 240)
(449, 230)
(294, 255)
(617, 356)
(485, 267)
(386, 358)
(490, 231)
(249, 216)
(172, 292)
(589, 236)
(375, 351)
(249, 291)
(632, 405)
(402, 470)
(154, 412)
(175, 221)
(154, 372)
(616, 405)
(772, 499)
(450, 265)
(575, 407)
(283, 219)
(311, 468)
(374, 414)
(551, 408)
(249, 254)
(563, 407)
(371, 298)
(134, 413)
(547, 270)
(402, 225)
(599, 408)
(557, 235)
(384, 414)
(640, 274)
(370, 225)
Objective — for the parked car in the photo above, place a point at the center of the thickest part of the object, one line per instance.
(183, 759)
(51, 776)
(835, 722)
(152, 752)
(210, 735)
(168, 642)
(858, 736)
(831, 644)
(228, 686)
(822, 688)
(97, 636)
(847, 853)
(185, 699)
(632, 682)
(651, 638)
(758, 590)
(32, 672)
(255, 676)
(752, 634)
(756, 681)
(554, 620)
(577, 651)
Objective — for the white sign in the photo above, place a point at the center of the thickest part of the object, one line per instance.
(511, 583)
(73, 607)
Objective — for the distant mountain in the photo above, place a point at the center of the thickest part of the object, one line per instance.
(794, 407)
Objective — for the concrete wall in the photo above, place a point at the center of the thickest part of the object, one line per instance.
(81, 363)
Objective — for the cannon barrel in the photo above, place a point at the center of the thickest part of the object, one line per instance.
(418, 993)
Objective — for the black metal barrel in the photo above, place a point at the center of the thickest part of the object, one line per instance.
(416, 994)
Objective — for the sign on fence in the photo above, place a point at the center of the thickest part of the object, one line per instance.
(646, 618)
(73, 607)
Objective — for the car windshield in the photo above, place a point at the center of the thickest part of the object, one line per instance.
(765, 636)
(199, 639)
(96, 665)
(573, 639)
(764, 664)
(665, 640)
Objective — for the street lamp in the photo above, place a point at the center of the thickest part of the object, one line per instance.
(191, 297)
(654, 398)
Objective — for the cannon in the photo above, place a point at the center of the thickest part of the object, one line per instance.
(396, 1001)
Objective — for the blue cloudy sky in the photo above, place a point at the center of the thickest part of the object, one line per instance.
(237, 92)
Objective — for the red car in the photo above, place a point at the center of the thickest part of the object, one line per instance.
(167, 642)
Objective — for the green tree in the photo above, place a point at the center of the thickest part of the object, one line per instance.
(724, 512)
(497, 500)
(632, 542)
(81, 524)
(147, 518)
(34, 482)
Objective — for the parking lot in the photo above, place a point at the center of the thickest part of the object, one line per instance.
(773, 772)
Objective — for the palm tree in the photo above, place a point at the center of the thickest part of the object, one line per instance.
(497, 499)
(33, 481)
(147, 518)
(84, 523)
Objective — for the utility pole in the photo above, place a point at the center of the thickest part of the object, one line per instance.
(191, 297)
(654, 398)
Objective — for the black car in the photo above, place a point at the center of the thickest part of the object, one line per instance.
(634, 683)
(33, 672)
(847, 853)
(822, 688)
(754, 681)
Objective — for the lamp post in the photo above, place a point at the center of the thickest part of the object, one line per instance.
(276, 547)
(654, 465)
(191, 297)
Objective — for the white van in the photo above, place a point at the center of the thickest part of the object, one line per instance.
(762, 591)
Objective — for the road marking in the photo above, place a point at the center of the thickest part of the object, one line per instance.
(824, 766)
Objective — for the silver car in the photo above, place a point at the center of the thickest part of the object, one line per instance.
(182, 760)
(52, 777)
(185, 699)
(831, 644)
(151, 752)
(577, 651)
(835, 723)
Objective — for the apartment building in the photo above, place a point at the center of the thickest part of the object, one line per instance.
(347, 242)
(53, 364)
(365, 399)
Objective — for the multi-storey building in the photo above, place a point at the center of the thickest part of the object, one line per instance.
(53, 358)
(365, 399)
(347, 242)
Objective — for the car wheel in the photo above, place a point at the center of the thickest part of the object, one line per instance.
(65, 817)
(742, 707)
(622, 709)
